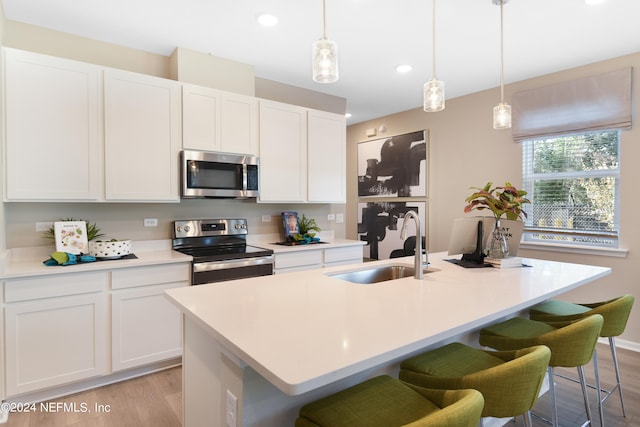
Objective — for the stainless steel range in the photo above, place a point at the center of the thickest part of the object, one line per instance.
(220, 251)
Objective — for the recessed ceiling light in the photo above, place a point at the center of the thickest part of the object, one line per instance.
(348, 115)
(594, 1)
(404, 68)
(267, 20)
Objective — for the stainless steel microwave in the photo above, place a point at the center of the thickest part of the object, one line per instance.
(218, 175)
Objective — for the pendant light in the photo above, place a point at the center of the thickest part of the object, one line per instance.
(433, 95)
(324, 55)
(502, 111)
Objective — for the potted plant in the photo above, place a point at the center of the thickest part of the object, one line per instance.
(306, 226)
(502, 201)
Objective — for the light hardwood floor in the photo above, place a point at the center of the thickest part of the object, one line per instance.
(156, 400)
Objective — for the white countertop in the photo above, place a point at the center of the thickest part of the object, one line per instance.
(304, 330)
(25, 262)
(326, 242)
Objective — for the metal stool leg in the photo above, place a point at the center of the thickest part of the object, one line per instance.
(614, 355)
(596, 372)
(552, 396)
(583, 385)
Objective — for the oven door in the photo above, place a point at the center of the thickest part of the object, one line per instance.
(242, 268)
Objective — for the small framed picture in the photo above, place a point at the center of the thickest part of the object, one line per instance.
(71, 237)
(290, 223)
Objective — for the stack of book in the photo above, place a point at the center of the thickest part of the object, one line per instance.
(508, 262)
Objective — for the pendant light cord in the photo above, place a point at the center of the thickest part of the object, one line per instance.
(324, 19)
(433, 37)
(501, 55)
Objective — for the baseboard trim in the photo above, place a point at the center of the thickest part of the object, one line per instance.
(626, 344)
(65, 390)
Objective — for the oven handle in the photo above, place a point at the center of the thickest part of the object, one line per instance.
(232, 263)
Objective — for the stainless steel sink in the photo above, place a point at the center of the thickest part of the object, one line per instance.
(378, 274)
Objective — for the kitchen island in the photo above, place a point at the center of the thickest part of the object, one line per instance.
(277, 342)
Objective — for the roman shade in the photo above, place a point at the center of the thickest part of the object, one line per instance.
(591, 103)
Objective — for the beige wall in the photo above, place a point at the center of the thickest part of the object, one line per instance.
(466, 151)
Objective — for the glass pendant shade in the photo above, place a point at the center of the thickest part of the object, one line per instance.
(325, 61)
(502, 116)
(433, 99)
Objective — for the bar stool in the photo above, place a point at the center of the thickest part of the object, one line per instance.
(571, 344)
(509, 381)
(616, 314)
(387, 402)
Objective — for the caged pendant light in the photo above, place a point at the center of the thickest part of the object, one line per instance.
(502, 111)
(324, 55)
(433, 95)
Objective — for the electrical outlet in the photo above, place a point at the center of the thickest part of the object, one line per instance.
(331, 217)
(151, 222)
(266, 218)
(43, 226)
(232, 409)
(339, 218)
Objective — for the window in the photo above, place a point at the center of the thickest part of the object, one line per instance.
(572, 182)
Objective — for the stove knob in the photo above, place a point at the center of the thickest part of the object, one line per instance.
(178, 228)
(187, 228)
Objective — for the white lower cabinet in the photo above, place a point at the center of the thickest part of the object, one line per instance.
(288, 262)
(145, 326)
(342, 256)
(55, 339)
(57, 329)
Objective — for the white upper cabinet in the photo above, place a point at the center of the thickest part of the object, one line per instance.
(214, 120)
(302, 154)
(326, 165)
(142, 137)
(52, 128)
(283, 152)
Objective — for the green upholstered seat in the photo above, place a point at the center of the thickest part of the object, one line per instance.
(616, 314)
(572, 344)
(387, 402)
(508, 380)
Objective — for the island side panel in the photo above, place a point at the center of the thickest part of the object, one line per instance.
(207, 374)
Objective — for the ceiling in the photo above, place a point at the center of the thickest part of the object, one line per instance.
(373, 37)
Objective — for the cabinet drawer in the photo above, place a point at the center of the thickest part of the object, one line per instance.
(342, 254)
(152, 275)
(54, 286)
(298, 259)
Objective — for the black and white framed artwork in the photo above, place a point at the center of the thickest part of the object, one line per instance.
(395, 166)
(380, 225)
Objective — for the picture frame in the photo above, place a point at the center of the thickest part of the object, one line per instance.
(290, 225)
(393, 166)
(380, 225)
(71, 237)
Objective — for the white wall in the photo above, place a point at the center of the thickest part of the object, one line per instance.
(466, 151)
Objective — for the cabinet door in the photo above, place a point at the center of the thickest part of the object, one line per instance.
(200, 118)
(326, 153)
(54, 341)
(52, 128)
(142, 137)
(283, 153)
(146, 327)
(238, 124)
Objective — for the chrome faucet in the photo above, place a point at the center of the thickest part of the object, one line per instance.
(417, 263)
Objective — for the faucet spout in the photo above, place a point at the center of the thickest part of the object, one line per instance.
(417, 262)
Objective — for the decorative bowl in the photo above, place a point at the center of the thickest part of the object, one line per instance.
(110, 249)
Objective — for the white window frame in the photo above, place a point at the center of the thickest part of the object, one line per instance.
(530, 242)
